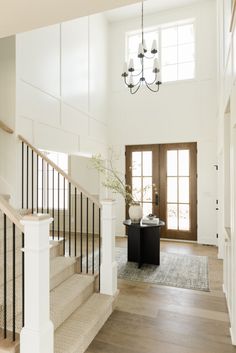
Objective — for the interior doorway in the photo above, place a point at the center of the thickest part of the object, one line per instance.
(163, 178)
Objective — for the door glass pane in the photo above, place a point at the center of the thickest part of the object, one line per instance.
(184, 190)
(172, 216)
(147, 163)
(136, 188)
(136, 163)
(184, 162)
(147, 189)
(172, 163)
(172, 191)
(184, 221)
(147, 209)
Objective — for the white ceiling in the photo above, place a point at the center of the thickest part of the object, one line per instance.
(150, 6)
(24, 15)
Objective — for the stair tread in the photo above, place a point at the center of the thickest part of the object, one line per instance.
(68, 289)
(76, 333)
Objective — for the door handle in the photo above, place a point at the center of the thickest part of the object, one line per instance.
(156, 199)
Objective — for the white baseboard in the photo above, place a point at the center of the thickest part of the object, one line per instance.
(233, 339)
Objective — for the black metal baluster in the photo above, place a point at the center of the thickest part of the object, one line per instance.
(81, 232)
(58, 204)
(23, 280)
(93, 242)
(99, 249)
(22, 174)
(5, 278)
(14, 282)
(32, 181)
(47, 188)
(87, 225)
(27, 177)
(53, 223)
(64, 218)
(69, 219)
(42, 181)
(75, 221)
(37, 184)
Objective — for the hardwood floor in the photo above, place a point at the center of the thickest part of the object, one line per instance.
(158, 319)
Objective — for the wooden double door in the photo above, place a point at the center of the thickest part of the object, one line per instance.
(163, 178)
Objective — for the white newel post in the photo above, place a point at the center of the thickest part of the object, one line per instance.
(37, 336)
(108, 265)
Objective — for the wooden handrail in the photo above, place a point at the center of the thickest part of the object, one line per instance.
(60, 171)
(11, 213)
(6, 128)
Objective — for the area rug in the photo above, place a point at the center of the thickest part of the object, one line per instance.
(175, 270)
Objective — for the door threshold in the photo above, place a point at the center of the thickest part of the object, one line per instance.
(179, 240)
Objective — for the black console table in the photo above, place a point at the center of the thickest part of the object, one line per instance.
(143, 242)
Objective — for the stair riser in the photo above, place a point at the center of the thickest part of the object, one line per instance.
(56, 250)
(63, 275)
(93, 333)
(60, 317)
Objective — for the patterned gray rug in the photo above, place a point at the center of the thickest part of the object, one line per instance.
(175, 270)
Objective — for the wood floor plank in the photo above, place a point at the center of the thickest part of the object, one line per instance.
(152, 318)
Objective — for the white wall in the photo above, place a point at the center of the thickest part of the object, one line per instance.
(181, 112)
(226, 150)
(61, 85)
(7, 115)
(81, 171)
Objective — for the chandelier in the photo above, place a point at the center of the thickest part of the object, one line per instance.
(134, 78)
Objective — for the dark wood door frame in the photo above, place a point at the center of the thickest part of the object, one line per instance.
(159, 171)
(177, 234)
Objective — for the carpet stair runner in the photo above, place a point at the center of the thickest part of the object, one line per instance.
(77, 311)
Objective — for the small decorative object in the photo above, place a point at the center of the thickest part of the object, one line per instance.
(135, 212)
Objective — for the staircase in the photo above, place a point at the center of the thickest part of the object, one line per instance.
(77, 310)
(82, 295)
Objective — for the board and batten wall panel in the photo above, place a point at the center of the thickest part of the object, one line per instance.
(75, 63)
(57, 83)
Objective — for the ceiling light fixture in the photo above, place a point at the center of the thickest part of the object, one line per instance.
(134, 80)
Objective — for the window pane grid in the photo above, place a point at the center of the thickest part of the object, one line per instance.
(178, 183)
(142, 188)
(177, 43)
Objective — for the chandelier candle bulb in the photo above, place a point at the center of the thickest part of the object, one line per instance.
(131, 65)
(140, 51)
(154, 47)
(131, 81)
(156, 67)
(144, 46)
(125, 70)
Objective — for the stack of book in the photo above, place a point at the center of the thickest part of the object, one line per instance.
(152, 221)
